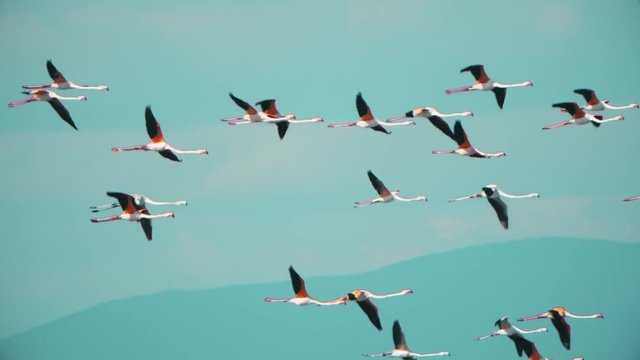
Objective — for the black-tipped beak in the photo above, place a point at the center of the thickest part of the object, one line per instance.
(25, 92)
(409, 114)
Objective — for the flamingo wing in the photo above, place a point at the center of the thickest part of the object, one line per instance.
(62, 111)
(520, 343)
(500, 95)
(269, 107)
(54, 73)
(442, 125)
(283, 126)
(243, 104)
(571, 107)
(460, 135)
(564, 330)
(298, 283)
(146, 227)
(478, 73)
(381, 129)
(363, 109)
(589, 96)
(378, 185)
(372, 312)
(153, 127)
(501, 210)
(398, 337)
(169, 155)
(126, 201)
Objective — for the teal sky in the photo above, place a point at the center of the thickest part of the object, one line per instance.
(258, 204)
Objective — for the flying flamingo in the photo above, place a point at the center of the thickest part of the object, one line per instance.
(557, 315)
(282, 122)
(363, 298)
(595, 104)
(384, 194)
(140, 200)
(579, 117)
(460, 137)
(250, 116)
(633, 198)
(484, 83)
(493, 194)
(512, 332)
(53, 99)
(401, 349)
(301, 296)
(367, 120)
(429, 113)
(59, 82)
(157, 141)
(132, 212)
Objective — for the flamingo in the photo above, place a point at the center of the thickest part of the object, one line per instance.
(140, 200)
(251, 114)
(401, 349)
(493, 194)
(429, 113)
(282, 122)
(384, 194)
(512, 332)
(579, 117)
(557, 315)
(633, 198)
(132, 212)
(158, 142)
(59, 82)
(484, 83)
(460, 137)
(301, 296)
(367, 120)
(363, 298)
(53, 99)
(595, 104)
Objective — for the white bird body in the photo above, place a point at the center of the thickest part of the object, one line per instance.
(301, 297)
(59, 82)
(579, 116)
(53, 99)
(595, 104)
(367, 120)
(401, 350)
(384, 194)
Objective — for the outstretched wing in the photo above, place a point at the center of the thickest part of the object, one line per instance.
(564, 330)
(478, 72)
(501, 210)
(398, 337)
(363, 109)
(571, 107)
(378, 185)
(298, 283)
(62, 111)
(500, 95)
(146, 226)
(269, 107)
(282, 128)
(460, 136)
(126, 201)
(243, 104)
(521, 344)
(442, 125)
(54, 73)
(372, 312)
(169, 155)
(589, 96)
(153, 127)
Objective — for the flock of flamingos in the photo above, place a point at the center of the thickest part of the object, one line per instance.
(134, 206)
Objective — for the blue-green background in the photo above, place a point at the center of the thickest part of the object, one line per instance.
(258, 204)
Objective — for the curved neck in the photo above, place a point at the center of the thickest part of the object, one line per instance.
(464, 113)
(88, 87)
(612, 107)
(382, 296)
(153, 216)
(147, 200)
(592, 316)
(529, 195)
(417, 198)
(530, 331)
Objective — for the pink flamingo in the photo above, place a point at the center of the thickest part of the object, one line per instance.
(53, 99)
(301, 296)
(158, 142)
(367, 120)
(400, 348)
(557, 315)
(384, 194)
(282, 122)
(579, 117)
(460, 137)
(59, 82)
(363, 299)
(633, 198)
(512, 332)
(483, 82)
(595, 104)
(429, 113)
(132, 212)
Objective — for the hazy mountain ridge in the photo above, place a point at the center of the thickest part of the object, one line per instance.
(451, 306)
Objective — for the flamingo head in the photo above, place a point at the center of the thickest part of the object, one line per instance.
(82, 97)
(528, 83)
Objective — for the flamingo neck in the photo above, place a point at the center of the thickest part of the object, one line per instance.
(153, 216)
(520, 84)
(198, 151)
(605, 103)
(88, 87)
